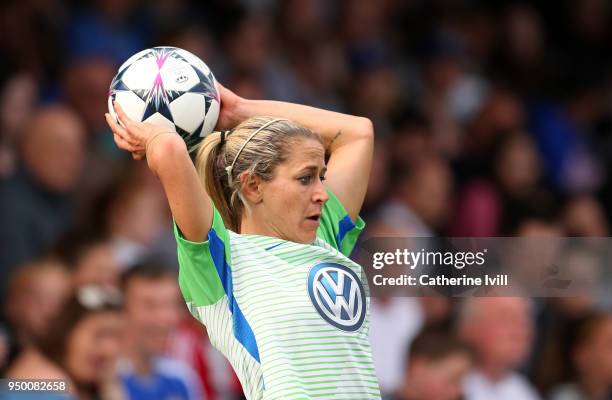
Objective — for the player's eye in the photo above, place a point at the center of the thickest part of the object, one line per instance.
(305, 180)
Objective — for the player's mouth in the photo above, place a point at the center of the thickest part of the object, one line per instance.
(314, 217)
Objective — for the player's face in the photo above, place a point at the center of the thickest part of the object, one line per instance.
(293, 200)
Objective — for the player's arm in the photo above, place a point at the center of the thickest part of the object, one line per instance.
(167, 157)
(348, 139)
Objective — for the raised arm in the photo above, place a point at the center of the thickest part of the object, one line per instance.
(348, 139)
(167, 157)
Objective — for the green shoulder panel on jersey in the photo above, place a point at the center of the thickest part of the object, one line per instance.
(337, 228)
(198, 278)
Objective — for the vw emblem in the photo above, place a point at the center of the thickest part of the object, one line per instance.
(337, 294)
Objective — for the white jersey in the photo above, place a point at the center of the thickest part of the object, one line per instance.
(291, 318)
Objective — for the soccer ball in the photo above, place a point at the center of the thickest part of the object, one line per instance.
(171, 87)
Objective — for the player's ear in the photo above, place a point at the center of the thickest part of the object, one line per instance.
(251, 187)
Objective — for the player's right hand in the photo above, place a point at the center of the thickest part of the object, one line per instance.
(131, 135)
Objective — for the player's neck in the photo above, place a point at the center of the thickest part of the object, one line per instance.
(251, 226)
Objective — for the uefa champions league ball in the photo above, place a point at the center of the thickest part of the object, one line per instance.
(171, 87)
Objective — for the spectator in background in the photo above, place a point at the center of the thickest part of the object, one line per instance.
(35, 294)
(412, 139)
(35, 204)
(500, 332)
(560, 318)
(85, 87)
(517, 166)
(86, 84)
(584, 215)
(248, 48)
(520, 55)
(502, 112)
(193, 37)
(317, 58)
(420, 202)
(591, 358)
(30, 37)
(529, 259)
(320, 71)
(91, 259)
(138, 219)
(378, 185)
(418, 207)
(82, 346)
(435, 368)
(536, 226)
(562, 132)
(107, 28)
(438, 312)
(18, 95)
(409, 143)
(374, 91)
(129, 208)
(4, 349)
(247, 85)
(452, 93)
(491, 206)
(152, 309)
(396, 318)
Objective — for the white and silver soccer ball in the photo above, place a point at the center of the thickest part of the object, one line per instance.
(171, 87)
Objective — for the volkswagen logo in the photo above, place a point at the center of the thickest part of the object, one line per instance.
(337, 294)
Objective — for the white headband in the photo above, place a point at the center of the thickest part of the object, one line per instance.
(229, 168)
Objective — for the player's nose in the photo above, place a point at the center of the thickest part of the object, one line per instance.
(320, 193)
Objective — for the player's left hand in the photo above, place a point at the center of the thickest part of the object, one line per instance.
(228, 115)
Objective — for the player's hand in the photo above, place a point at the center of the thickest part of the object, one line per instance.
(133, 136)
(228, 116)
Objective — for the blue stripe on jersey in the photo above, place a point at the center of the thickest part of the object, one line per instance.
(274, 246)
(242, 330)
(344, 226)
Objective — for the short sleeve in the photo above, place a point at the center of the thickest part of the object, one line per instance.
(203, 265)
(337, 228)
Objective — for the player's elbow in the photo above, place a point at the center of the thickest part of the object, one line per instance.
(365, 128)
(165, 152)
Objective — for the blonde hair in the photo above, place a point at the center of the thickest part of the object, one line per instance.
(260, 155)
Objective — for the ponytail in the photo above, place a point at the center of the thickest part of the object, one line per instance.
(208, 164)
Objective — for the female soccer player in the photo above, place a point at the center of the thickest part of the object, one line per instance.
(263, 243)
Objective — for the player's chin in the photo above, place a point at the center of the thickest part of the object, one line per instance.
(308, 231)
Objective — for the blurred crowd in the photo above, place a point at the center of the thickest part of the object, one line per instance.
(491, 118)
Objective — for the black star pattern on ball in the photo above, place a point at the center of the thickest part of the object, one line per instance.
(205, 85)
(190, 139)
(158, 105)
(117, 84)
